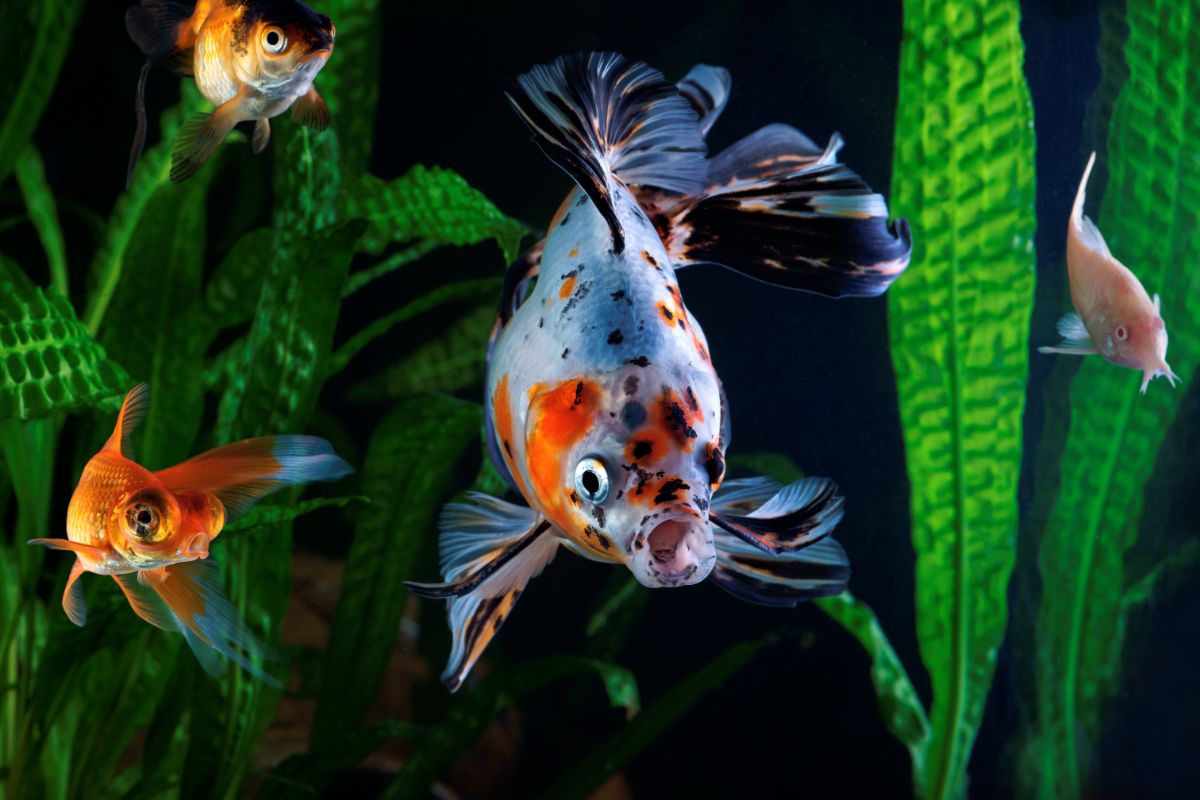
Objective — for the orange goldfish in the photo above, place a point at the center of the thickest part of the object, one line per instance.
(151, 531)
(252, 59)
(1113, 314)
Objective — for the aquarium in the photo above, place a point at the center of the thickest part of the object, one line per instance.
(604, 401)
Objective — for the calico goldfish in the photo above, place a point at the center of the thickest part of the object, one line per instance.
(252, 59)
(151, 531)
(1113, 316)
(604, 409)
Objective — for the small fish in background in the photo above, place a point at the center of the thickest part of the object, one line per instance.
(604, 410)
(252, 59)
(1114, 316)
(151, 531)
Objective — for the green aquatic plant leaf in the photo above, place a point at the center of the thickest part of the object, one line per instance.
(430, 204)
(43, 212)
(958, 324)
(1149, 217)
(48, 360)
(37, 37)
(264, 516)
(477, 290)
(475, 708)
(350, 81)
(407, 474)
(231, 294)
(153, 324)
(626, 744)
(310, 774)
(153, 173)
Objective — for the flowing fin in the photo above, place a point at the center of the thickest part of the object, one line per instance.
(606, 121)
(262, 135)
(192, 592)
(133, 410)
(73, 601)
(795, 517)
(1089, 234)
(1070, 326)
(781, 212)
(199, 137)
(707, 89)
(242, 473)
(489, 550)
(311, 110)
(146, 603)
(785, 580)
(157, 28)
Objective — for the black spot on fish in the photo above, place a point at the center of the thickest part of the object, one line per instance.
(616, 337)
(582, 199)
(507, 447)
(691, 399)
(566, 218)
(639, 542)
(541, 321)
(581, 291)
(565, 351)
(633, 414)
(598, 514)
(618, 294)
(568, 275)
(574, 497)
(666, 492)
(649, 258)
(715, 465)
(666, 312)
(579, 395)
(640, 361)
(700, 503)
(677, 422)
(642, 449)
(631, 385)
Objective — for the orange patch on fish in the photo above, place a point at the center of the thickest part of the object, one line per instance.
(562, 210)
(559, 417)
(567, 287)
(502, 415)
(574, 251)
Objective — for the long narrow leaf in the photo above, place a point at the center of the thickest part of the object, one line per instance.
(39, 200)
(958, 323)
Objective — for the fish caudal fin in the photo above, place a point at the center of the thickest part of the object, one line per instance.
(146, 603)
(133, 411)
(707, 89)
(606, 120)
(158, 29)
(243, 473)
(192, 593)
(489, 550)
(782, 211)
(794, 517)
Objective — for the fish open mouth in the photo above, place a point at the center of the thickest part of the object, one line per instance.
(678, 551)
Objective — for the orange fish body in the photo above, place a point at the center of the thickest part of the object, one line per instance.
(252, 59)
(151, 531)
(1114, 315)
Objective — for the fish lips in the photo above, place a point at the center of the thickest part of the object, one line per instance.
(679, 550)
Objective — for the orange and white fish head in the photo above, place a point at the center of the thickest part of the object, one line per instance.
(626, 466)
(284, 45)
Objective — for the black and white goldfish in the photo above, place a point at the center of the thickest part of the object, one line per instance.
(252, 59)
(1114, 316)
(604, 409)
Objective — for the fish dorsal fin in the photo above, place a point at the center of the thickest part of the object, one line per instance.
(137, 402)
(1089, 234)
(707, 89)
(603, 118)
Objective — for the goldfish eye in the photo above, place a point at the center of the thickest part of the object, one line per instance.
(1122, 333)
(144, 522)
(274, 40)
(591, 480)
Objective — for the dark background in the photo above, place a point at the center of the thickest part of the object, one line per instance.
(806, 376)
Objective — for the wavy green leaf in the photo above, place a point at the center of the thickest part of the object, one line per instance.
(37, 37)
(626, 744)
(1149, 217)
(264, 516)
(43, 212)
(958, 324)
(232, 292)
(408, 472)
(472, 711)
(350, 81)
(48, 360)
(430, 204)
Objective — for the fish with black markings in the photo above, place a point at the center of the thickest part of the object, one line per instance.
(604, 409)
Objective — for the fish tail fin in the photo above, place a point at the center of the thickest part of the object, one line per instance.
(784, 211)
(707, 89)
(192, 592)
(489, 550)
(242, 473)
(606, 120)
(157, 27)
(1081, 192)
(133, 410)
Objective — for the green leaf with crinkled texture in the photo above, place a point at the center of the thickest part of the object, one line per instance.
(154, 324)
(310, 774)
(48, 361)
(37, 37)
(153, 173)
(407, 475)
(349, 82)
(430, 204)
(472, 711)
(232, 292)
(958, 323)
(43, 212)
(625, 745)
(454, 359)
(263, 516)
(1150, 216)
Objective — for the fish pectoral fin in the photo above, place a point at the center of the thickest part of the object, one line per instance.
(262, 135)
(794, 517)
(489, 550)
(192, 592)
(199, 137)
(242, 473)
(311, 110)
(782, 211)
(146, 603)
(85, 551)
(73, 601)
(606, 120)
(785, 580)
(1070, 326)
